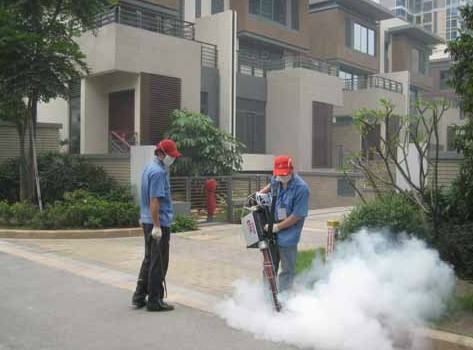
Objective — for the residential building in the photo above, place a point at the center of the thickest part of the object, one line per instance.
(441, 17)
(263, 70)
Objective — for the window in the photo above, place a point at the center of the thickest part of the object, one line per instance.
(450, 138)
(74, 115)
(371, 142)
(343, 120)
(360, 38)
(274, 10)
(250, 124)
(217, 6)
(344, 188)
(204, 102)
(445, 76)
(295, 14)
(198, 8)
(419, 61)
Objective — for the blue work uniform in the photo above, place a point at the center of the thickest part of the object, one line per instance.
(293, 199)
(155, 183)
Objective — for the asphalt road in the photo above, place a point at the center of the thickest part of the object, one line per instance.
(46, 308)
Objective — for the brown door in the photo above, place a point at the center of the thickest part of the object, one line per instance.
(121, 116)
(322, 114)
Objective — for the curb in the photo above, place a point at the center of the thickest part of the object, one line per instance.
(442, 340)
(71, 234)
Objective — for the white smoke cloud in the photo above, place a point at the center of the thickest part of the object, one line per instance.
(372, 294)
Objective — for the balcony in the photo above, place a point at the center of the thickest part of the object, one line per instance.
(372, 82)
(157, 22)
(248, 65)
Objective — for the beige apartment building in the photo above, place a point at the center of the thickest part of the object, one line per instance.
(283, 76)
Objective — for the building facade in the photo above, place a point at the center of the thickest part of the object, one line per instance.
(283, 76)
(441, 17)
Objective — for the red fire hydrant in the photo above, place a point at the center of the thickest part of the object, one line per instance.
(210, 186)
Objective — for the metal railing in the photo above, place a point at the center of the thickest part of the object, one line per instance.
(120, 141)
(372, 82)
(157, 22)
(230, 194)
(249, 65)
(149, 20)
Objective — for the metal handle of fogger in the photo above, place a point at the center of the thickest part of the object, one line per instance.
(264, 247)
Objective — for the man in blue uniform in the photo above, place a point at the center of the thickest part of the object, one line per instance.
(156, 215)
(291, 210)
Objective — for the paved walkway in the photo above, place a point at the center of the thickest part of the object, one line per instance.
(203, 263)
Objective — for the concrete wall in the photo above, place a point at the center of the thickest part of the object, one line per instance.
(139, 157)
(220, 30)
(323, 190)
(268, 29)
(333, 47)
(95, 108)
(123, 48)
(55, 111)
(289, 110)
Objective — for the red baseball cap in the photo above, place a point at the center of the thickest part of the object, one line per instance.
(282, 165)
(169, 147)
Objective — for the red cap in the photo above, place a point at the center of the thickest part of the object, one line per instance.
(169, 147)
(282, 165)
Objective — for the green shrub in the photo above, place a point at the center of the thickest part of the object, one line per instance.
(392, 211)
(60, 173)
(79, 209)
(5, 213)
(455, 245)
(10, 181)
(184, 223)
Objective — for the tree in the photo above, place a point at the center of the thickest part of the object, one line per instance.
(388, 165)
(38, 61)
(206, 149)
(461, 51)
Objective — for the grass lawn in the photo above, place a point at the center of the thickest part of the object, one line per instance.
(305, 257)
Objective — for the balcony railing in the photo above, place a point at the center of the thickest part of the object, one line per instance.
(149, 20)
(142, 18)
(372, 82)
(259, 67)
(120, 141)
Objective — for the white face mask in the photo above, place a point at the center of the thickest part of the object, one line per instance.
(283, 179)
(168, 160)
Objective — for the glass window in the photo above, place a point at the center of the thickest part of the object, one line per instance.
(344, 188)
(451, 138)
(74, 115)
(445, 76)
(419, 61)
(250, 124)
(217, 6)
(204, 102)
(360, 38)
(274, 10)
(295, 14)
(198, 8)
